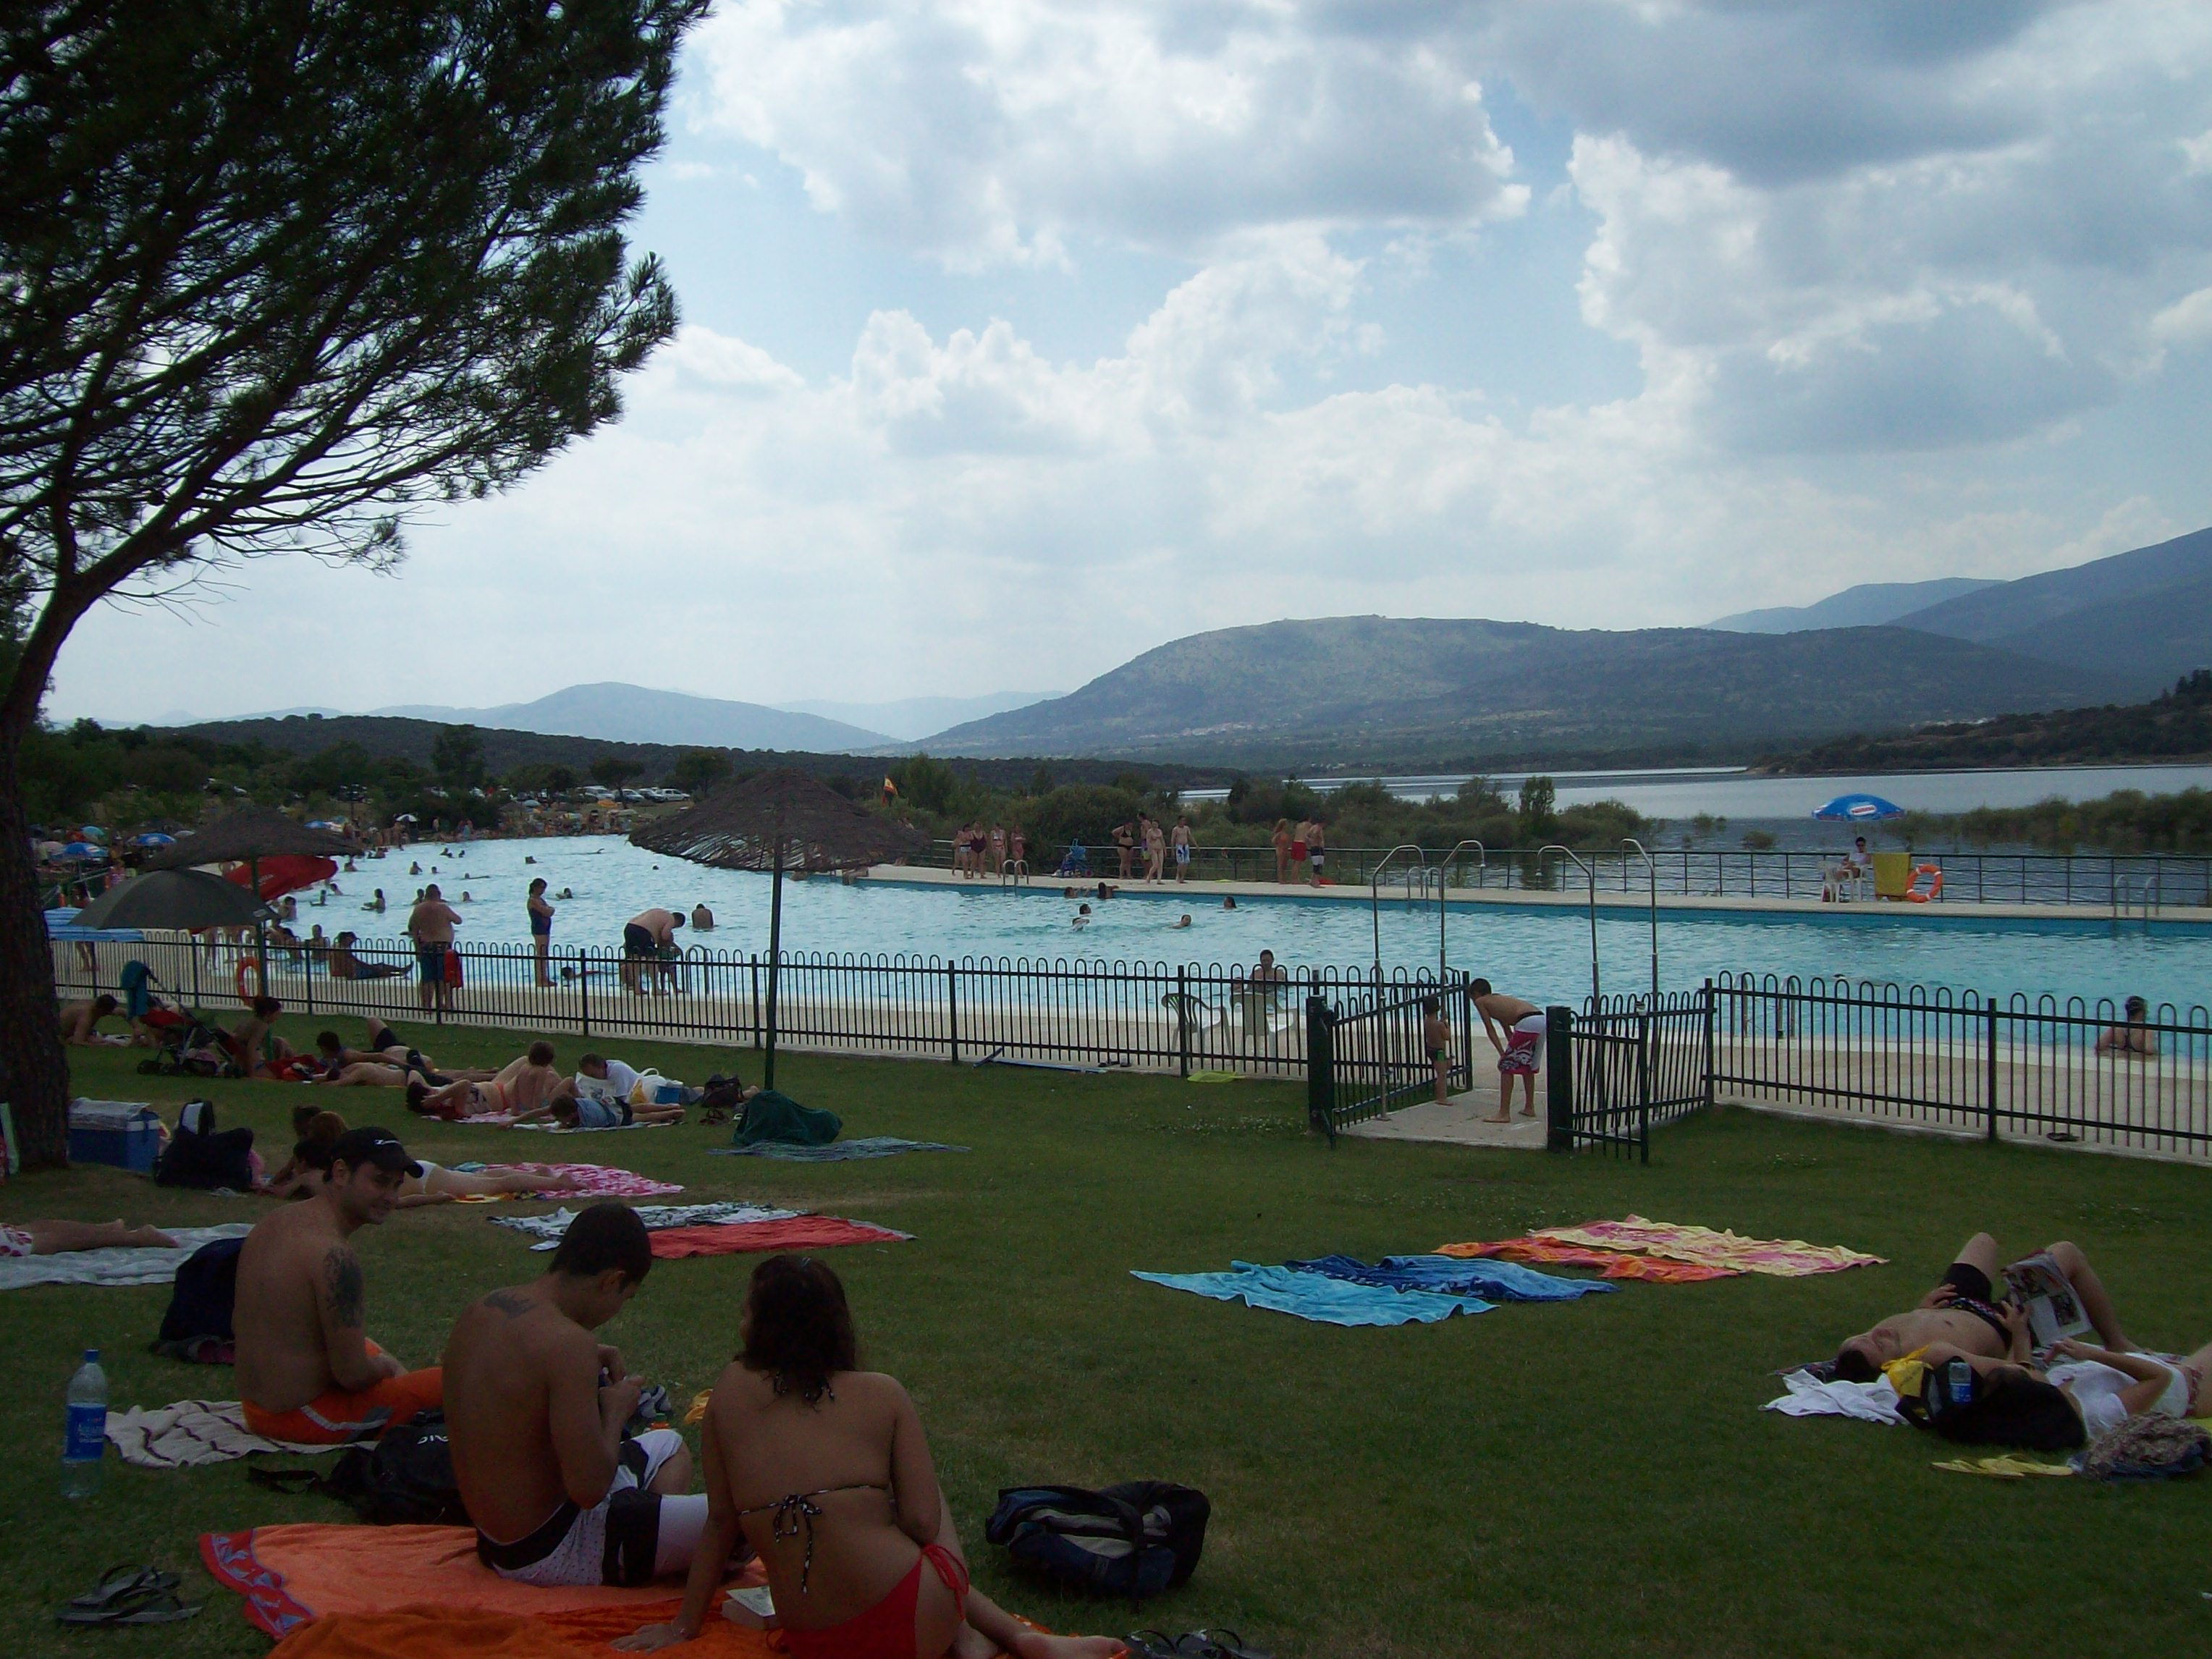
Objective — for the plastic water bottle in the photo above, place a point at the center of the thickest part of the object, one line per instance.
(1960, 1377)
(86, 1442)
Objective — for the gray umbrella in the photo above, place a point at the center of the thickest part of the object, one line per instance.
(183, 899)
(247, 837)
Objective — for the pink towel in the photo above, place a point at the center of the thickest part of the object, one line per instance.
(597, 1181)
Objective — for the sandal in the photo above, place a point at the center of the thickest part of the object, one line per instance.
(118, 1582)
(1227, 1645)
(128, 1596)
(1150, 1644)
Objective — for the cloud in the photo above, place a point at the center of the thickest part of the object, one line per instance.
(2186, 322)
(986, 132)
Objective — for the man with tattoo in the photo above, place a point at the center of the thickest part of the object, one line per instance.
(306, 1371)
(536, 1412)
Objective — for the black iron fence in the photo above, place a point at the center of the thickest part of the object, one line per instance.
(2146, 882)
(1368, 1051)
(1615, 1072)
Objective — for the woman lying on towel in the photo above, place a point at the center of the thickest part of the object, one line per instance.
(310, 1167)
(59, 1238)
(2102, 1388)
(825, 1470)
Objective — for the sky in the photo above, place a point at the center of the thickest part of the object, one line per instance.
(1020, 337)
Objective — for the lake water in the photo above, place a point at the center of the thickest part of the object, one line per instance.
(1542, 954)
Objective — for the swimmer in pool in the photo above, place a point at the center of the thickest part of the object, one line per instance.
(1184, 922)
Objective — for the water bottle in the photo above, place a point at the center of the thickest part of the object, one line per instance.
(1959, 1377)
(86, 1437)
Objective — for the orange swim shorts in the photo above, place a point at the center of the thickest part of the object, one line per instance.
(336, 1418)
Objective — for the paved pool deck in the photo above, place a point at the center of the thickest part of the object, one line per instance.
(1613, 903)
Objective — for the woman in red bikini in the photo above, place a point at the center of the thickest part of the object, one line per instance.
(825, 1470)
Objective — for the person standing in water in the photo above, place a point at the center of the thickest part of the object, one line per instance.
(541, 931)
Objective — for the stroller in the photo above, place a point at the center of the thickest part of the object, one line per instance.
(1076, 861)
(191, 1045)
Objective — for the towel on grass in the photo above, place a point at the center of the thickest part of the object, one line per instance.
(1869, 1402)
(190, 1434)
(548, 1229)
(1612, 1264)
(290, 1576)
(126, 1266)
(1317, 1297)
(545, 1125)
(1501, 1281)
(806, 1232)
(592, 1179)
(1783, 1258)
(836, 1152)
(2008, 1465)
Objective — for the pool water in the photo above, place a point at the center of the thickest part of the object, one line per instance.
(1542, 954)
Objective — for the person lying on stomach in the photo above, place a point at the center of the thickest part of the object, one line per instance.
(306, 1372)
(536, 1411)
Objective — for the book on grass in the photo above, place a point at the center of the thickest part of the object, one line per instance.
(2054, 1311)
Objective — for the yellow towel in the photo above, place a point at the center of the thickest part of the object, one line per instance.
(2007, 1466)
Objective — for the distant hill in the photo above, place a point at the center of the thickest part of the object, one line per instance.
(1375, 690)
(2143, 617)
(1870, 605)
(2173, 728)
(911, 719)
(633, 713)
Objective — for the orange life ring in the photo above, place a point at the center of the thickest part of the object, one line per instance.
(1935, 874)
(246, 996)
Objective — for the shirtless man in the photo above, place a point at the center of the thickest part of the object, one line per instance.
(646, 937)
(306, 1372)
(1964, 1312)
(431, 925)
(523, 1088)
(535, 1410)
(1515, 1029)
(81, 1021)
(1179, 838)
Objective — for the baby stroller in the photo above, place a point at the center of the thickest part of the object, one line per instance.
(191, 1045)
(1076, 861)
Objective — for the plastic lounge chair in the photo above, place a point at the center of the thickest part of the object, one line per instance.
(1195, 1013)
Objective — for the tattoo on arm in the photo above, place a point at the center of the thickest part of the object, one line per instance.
(342, 1284)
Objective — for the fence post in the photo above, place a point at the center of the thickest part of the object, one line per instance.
(1183, 1021)
(952, 1009)
(1989, 1072)
(1559, 1079)
(584, 984)
(752, 964)
(1321, 1067)
(1709, 1066)
(1643, 1087)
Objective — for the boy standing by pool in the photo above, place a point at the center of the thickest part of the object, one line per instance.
(1515, 1029)
(1436, 1038)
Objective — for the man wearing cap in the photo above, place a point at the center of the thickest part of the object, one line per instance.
(305, 1371)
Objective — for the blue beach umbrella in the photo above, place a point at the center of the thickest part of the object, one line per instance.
(83, 850)
(1859, 809)
(153, 838)
(325, 823)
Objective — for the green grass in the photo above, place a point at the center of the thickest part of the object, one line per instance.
(1585, 1478)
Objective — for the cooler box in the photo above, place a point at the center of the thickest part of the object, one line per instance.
(125, 1133)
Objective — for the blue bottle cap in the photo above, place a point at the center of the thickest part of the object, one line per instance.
(92, 1355)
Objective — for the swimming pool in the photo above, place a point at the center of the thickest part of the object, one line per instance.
(1539, 953)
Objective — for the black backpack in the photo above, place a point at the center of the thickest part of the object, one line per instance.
(405, 1480)
(206, 1289)
(1135, 1539)
(198, 1154)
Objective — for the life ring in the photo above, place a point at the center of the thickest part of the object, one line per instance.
(245, 964)
(1935, 890)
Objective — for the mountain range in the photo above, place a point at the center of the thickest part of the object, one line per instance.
(633, 713)
(1868, 605)
(911, 719)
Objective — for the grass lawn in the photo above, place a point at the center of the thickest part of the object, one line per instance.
(1591, 1477)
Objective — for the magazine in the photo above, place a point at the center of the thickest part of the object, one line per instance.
(2054, 1312)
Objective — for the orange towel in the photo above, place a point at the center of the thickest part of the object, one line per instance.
(1610, 1264)
(799, 1232)
(292, 1575)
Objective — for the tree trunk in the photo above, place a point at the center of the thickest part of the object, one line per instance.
(37, 1080)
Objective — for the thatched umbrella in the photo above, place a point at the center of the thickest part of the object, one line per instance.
(247, 837)
(779, 821)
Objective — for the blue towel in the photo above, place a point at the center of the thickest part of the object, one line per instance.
(1317, 1297)
(836, 1151)
(1502, 1281)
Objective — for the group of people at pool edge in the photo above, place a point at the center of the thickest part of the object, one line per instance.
(819, 1468)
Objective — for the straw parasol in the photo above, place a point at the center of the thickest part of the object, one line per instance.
(778, 821)
(247, 837)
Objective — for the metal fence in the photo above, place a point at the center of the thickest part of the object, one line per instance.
(1615, 1072)
(1366, 1052)
(2144, 883)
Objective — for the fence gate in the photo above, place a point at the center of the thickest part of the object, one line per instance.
(1613, 1071)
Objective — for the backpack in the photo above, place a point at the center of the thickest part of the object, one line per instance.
(405, 1480)
(1135, 1539)
(198, 1154)
(206, 1290)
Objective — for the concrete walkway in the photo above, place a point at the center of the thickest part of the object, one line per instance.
(1461, 1123)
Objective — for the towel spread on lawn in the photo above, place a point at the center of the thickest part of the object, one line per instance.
(128, 1266)
(1611, 1264)
(1317, 1297)
(1667, 1252)
(687, 1230)
(293, 1575)
(190, 1434)
(836, 1152)
(592, 1179)
(1501, 1281)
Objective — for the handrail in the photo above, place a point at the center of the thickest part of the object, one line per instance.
(1651, 868)
(1590, 874)
(1375, 893)
(1443, 898)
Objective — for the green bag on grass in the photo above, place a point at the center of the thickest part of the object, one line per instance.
(773, 1116)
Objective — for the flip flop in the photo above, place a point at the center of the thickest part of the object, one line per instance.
(153, 1601)
(1150, 1644)
(1227, 1645)
(117, 1583)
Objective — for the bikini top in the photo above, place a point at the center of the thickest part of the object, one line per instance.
(797, 1511)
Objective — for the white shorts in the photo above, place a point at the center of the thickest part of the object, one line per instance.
(630, 1536)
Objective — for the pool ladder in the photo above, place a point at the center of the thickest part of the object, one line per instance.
(2135, 896)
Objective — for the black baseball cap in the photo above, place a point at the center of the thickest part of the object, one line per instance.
(370, 1144)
